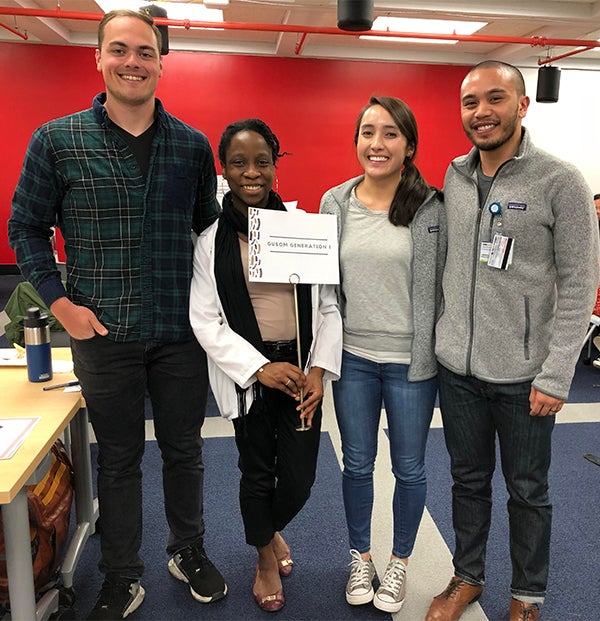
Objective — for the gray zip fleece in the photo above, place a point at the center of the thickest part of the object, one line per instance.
(428, 231)
(526, 322)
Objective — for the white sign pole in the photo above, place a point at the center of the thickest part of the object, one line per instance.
(294, 280)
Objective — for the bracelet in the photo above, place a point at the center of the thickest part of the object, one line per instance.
(261, 369)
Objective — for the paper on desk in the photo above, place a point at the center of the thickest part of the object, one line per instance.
(13, 432)
(62, 366)
(12, 358)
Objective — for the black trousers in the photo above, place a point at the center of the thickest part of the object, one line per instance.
(114, 379)
(278, 464)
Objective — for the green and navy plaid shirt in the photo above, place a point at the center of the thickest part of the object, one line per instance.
(127, 237)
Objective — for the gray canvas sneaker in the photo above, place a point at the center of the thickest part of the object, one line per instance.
(359, 589)
(390, 595)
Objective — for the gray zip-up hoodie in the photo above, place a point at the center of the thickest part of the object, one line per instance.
(428, 232)
(526, 322)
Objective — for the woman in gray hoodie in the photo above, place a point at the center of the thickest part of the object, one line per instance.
(392, 235)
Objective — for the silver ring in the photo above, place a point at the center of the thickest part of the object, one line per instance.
(288, 382)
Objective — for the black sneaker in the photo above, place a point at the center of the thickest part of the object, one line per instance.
(191, 565)
(118, 598)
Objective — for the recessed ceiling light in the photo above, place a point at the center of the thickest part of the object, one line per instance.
(422, 26)
(175, 10)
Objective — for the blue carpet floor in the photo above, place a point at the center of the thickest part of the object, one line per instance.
(574, 582)
(585, 387)
(317, 537)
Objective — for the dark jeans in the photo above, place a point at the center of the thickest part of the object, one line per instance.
(115, 378)
(473, 412)
(278, 463)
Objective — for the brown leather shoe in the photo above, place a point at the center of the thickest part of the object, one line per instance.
(451, 603)
(521, 611)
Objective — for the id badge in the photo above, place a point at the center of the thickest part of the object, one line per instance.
(484, 252)
(501, 252)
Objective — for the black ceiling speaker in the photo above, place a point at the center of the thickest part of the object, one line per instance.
(355, 15)
(158, 11)
(548, 84)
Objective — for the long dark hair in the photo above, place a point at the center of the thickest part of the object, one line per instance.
(413, 188)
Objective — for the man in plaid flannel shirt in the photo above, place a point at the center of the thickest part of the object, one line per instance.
(126, 183)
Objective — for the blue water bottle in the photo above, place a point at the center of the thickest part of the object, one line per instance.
(37, 345)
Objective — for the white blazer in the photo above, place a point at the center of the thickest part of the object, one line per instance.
(231, 358)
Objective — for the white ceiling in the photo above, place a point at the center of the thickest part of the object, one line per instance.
(572, 20)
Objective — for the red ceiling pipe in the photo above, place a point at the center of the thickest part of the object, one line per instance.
(567, 54)
(186, 23)
(300, 44)
(53, 13)
(23, 35)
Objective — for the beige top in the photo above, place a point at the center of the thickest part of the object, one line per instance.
(273, 305)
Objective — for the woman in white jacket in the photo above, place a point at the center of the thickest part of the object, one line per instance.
(248, 330)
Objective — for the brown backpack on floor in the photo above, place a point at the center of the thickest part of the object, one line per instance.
(49, 517)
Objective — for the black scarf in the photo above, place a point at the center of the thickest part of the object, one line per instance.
(231, 284)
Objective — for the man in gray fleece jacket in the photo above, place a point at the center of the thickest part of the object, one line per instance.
(519, 285)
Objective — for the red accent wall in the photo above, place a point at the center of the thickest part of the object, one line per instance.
(310, 104)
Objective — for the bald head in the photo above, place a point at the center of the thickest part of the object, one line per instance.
(510, 72)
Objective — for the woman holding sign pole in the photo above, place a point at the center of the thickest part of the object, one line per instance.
(392, 233)
(249, 332)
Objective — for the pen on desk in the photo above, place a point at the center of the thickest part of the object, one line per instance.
(65, 385)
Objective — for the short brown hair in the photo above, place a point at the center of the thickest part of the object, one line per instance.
(142, 15)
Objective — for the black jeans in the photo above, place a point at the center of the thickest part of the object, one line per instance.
(278, 463)
(115, 378)
(473, 413)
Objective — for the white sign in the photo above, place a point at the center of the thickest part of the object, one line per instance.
(292, 246)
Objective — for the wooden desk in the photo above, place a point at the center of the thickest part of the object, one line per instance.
(56, 409)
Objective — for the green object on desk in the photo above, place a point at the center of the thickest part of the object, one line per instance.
(23, 297)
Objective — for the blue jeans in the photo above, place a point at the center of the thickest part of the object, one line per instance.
(359, 394)
(115, 378)
(474, 412)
